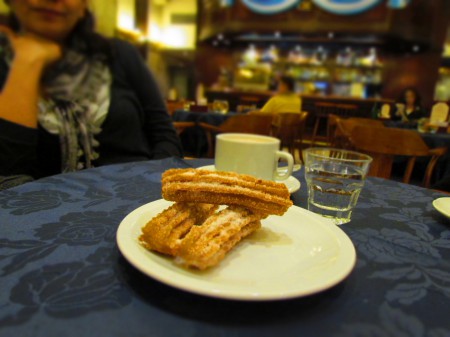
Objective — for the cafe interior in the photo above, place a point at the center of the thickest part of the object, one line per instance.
(71, 259)
(217, 61)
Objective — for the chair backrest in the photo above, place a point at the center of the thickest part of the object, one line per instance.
(181, 126)
(332, 123)
(289, 126)
(255, 123)
(385, 112)
(340, 129)
(389, 141)
(439, 113)
(350, 123)
(383, 143)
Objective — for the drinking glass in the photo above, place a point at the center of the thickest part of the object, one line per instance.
(335, 179)
(221, 106)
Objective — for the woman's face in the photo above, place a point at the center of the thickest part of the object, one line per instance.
(51, 19)
(282, 88)
(410, 97)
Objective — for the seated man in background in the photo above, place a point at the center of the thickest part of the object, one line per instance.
(286, 100)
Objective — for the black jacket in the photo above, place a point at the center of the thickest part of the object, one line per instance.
(136, 128)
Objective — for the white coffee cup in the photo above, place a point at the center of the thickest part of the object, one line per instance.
(251, 154)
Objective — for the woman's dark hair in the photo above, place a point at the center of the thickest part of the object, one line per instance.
(93, 43)
(288, 81)
(402, 98)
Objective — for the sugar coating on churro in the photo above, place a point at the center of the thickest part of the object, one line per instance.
(206, 245)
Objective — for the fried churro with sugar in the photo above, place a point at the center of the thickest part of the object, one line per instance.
(206, 245)
(165, 231)
(226, 188)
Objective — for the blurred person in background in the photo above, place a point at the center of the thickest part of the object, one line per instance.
(285, 100)
(409, 107)
(71, 98)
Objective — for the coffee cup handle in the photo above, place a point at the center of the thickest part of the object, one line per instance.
(290, 165)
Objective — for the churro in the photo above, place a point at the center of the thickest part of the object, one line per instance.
(165, 231)
(226, 188)
(206, 245)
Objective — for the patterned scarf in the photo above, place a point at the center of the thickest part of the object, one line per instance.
(76, 102)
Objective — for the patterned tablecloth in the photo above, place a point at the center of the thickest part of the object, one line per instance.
(62, 273)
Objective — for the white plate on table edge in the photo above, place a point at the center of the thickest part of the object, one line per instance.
(298, 254)
(292, 183)
(442, 205)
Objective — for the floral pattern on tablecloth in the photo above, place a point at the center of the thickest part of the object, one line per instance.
(59, 263)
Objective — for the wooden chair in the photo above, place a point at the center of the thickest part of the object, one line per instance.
(288, 127)
(439, 113)
(257, 124)
(383, 144)
(346, 126)
(343, 129)
(324, 109)
(181, 126)
(332, 130)
(385, 112)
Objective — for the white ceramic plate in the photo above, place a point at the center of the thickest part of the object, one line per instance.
(292, 183)
(298, 254)
(443, 206)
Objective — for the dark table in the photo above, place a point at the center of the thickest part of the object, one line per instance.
(62, 273)
(212, 118)
(194, 139)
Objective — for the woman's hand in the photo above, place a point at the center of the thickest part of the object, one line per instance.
(33, 49)
(21, 91)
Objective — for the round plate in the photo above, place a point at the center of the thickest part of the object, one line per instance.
(292, 183)
(443, 206)
(298, 254)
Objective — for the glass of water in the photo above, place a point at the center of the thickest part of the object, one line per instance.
(335, 178)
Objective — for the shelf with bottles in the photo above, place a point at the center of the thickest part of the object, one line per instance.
(330, 74)
(314, 57)
(329, 64)
(343, 89)
(315, 69)
(342, 66)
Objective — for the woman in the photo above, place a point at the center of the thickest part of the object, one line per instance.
(72, 99)
(409, 107)
(286, 100)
